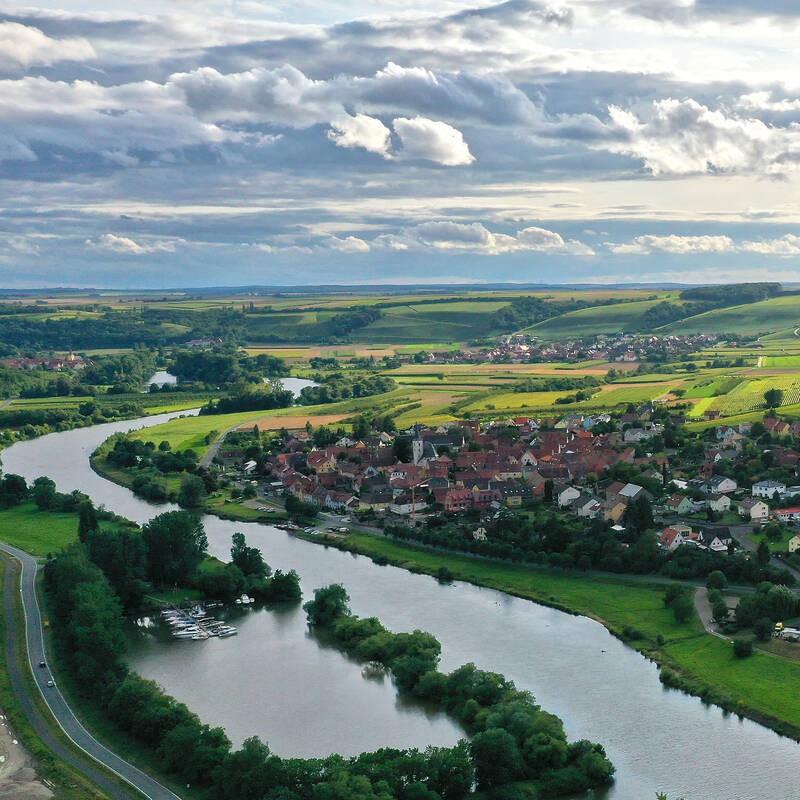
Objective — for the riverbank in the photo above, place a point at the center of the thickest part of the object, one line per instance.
(758, 687)
(633, 610)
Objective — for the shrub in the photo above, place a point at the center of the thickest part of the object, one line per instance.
(716, 580)
(742, 648)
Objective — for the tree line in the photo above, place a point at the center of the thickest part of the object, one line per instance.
(512, 738)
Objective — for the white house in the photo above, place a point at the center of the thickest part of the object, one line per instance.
(248, 467)
(719, 484)
(767, 489)
(718, 502)
(567, 495)
(788, 514)
(794, 544)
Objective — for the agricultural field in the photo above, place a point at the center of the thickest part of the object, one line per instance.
(595, 320)
(778, 313)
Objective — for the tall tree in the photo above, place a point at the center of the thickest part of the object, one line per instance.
(176, 544)
(87, 520)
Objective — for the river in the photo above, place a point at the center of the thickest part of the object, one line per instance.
(279, 682)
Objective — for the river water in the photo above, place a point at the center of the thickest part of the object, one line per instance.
(278, 681)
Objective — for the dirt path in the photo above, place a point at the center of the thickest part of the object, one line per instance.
(703, 608)
(17, 777)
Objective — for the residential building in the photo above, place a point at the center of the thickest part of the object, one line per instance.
(754, 509)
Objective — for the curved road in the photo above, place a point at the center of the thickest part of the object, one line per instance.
(34, 635)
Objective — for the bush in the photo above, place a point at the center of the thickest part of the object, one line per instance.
(682, 608)
(631, 633)
(742, 648)
(763, 629)
(716, 580)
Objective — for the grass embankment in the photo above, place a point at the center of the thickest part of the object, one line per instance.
(67, 782)
(760, 687)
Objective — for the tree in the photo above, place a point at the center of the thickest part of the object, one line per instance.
(248, 559)
(192, 493)
(716, 580)
(87, 520)
(496, 758)
(329, 603)
(122, 555)
(762, 554)
(361, 427)
(176, 544)
(44, 493)
(742, 648)
(773, 398)
(13, 490)
(763, 629)
(682, 607)
(401, 448)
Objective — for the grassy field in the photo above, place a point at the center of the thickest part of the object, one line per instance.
(37, 532)
(594, 320)
(766, 316)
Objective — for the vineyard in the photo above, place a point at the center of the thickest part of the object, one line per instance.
(749, 395)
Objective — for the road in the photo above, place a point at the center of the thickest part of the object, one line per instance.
(67, 721)
(212, 451)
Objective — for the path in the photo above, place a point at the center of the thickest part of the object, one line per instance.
(8, 402)
(212, 451)
(67, 721)
(703, 607)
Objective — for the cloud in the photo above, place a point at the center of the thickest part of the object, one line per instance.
(24, 45)
(432, 141)
(681, 137)
(361, 130)
(350, 244)
(674, 244)
(784, 247)
(124, 246)
(474, 237)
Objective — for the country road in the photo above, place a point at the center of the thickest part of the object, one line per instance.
(34, 637)
(212, 451)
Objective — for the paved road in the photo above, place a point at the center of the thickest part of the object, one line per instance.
(212, 451)
(34, 635)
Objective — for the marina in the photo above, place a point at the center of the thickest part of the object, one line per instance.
(196, 624)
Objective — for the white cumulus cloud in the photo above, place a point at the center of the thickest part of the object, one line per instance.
(25, 45)
(361, 130)
(433, 141)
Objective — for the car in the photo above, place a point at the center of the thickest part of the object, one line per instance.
(51, 684)
(42, 665)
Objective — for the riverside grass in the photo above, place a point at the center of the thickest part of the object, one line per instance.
(759, 687)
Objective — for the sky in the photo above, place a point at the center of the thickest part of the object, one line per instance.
(239, 142)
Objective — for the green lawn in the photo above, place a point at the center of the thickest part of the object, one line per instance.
(37, 532)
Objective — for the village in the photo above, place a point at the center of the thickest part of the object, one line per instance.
(720, 492)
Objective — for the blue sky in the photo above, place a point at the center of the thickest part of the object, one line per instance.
(398, 141)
